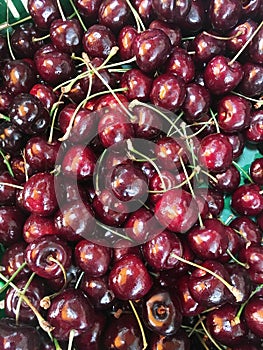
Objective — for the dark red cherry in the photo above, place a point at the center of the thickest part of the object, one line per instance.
(177, 210)
(256, 171)
(157, 182)
(125, 39)
(173, 33)
(224, 327)
(98, 41)
(53, 66)
(233, 113)
(18, 76)
(237, 141)
(110, 101)
(224, 15)
(114, 14)
(97, 289)
(66, 35)
(129, 278)
(147, 123)
(41, 155)
(178, 341)
(38, 226)
(207, 46)
(11, 225)
(92, 258)
(5, 100)
(13, 258)
(122, 333)
(206, 289)
(253, 257)
(43, 12)
(39, 195)
(22, 40)
(34, 292)
(151, 49)
(247, 200)
(162, 258)
(11, 139)
(239, 278)
(7, 193)
(254, 133)
(74, 220)
(168, 91)
(253, 315)
(79, 162)
(181, 64)
(247, 229)
(89, 9)
(215, 153)
(197, 102)
(222, 76)
(109, 210)
(252, 82)
(28, 114)
(240, 35)
(171, 11)
(137, 83)
(208, 241)
(45, 94)
(214, 200)
(194, 21)
(70, 310)
(260, 220)
(161, 313)
(255, 48)
(228, 181)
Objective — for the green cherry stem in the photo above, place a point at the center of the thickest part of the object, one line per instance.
(236, 260)
(6, 162)
(243, 171)
(138, 20)
(107, 228)
(6, 25)
(22, 294)
(215, 120)
(78, 15)
(13, 277)
(245, 303)
(209, 336)
(144, 341)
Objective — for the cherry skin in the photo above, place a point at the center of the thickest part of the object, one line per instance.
(177, 210)
(38, 226)
(149, 60)
(114, 14)
(157, 182)
(137, 83)
(227, 181)
(247, 200)
(171, 11)
(240, 34)
(215, 153)
(237, 141)
(251, 84)
(13, 258)
(11, 139)
(70, 310)
(129, 278)
(256, 171)
(194, 21)
(255, 48)
(180, 63)
(173, 33)
(39, 252)
(45, 94)
(220, 76)
(224, 15)
(206, 47)
(247, 229)
(92, 258)
(147, 123)
(125, 39)
(253, 315)
(177, 341)
(89, 9)
(197, 102)
(161, 313)
(254, 133)
(214, 200)
(168, 91)
(11, 225)
(39, 196)
(43, 13)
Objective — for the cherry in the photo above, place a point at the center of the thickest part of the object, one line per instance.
(177, 210)
(53, 66)
(256, 171)
(251, 84)
(240, 279)
(28, 114)
(35, 292)
(255, 48)
(237, 141)
(45, 256)
(196, 103)
(122, 333)
(11, 139)
(240, 35)
(11, 225)
(233, 113)
(43, 13)
(253, 315)
(38, 226)
(92, 258)
(171, 11)
(215, 153)
(97, 289)
(66, 35)
(125, 39)
(98, 41)
(173, 33)
(228, 181)
(253, 257)
(151, 49)
(247, 229)
(18, 76)
(145, 10)
(221, 75)
(247, 200)
(45, 94)
(254, 132)
(157, 182)
(161, 313)
(89, 9)
(147, 124)
(114, 14)
(129, 278)
(181, 64)
(137, 83)
(70, 310)
(5, 100)
(194, 21)
(110, 101)
(206, 46)
(177, 341)
(224, 15)
(260, 221)
(208, 241)
(39, 196)
(7, 193)
(224, 327)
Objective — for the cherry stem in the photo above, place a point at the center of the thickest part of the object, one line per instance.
(79, 280)
(196, 325)
(2, 116)
(138, 20)
(42, 322)
(133, 150)
(213, 115)
(40, 38)
(97, 176)
(21, 295)
(258, 102)
(202, 342)
(237, 294)
(6, 162)
(25, 164)
(243, 171)
(6, 25)
(54, 113)
(255, 291)
(169, 134)
(144, 341)
(246, 44)
(57, 346)
(61, 11)
(78, 15)
(112, 53)
(13, 277)
(236, 260)
(71, 338)
(198, 131)
(50, 258)
(223, 38)
(107, 228)
(209, 335)
(11, 185)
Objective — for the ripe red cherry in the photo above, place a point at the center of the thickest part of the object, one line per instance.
(256, 171)
(228, 181)
(125, 39)
(247, 230)
(129, 278)
(171, 11)
(13, 258)
(181, 64)
(177, 210)
(206, 47)
(173, 33)
(224, 15)
(222, 76)
(45, 94)
(215, 153)
(196, 103)
(247, 200)
(251, 84)
(43, 13)
(38, 226)
(114, 14)
(255, 131)
(137, 83)
(253, 315)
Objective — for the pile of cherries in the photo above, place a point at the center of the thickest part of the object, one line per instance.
(122, 123)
